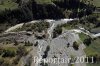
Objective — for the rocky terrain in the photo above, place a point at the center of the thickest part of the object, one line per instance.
(48, 47)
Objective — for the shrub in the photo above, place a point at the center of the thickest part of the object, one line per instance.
(9, 52)
(57, 31)
(75, 45)
(28, 44)
(87, 41)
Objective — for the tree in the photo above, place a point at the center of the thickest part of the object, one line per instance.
(46, 51)
(57, 31)
(75, 45)
(28, 44)
(87, 41)
(68, 45)
(36, 44)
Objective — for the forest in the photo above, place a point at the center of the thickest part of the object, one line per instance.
(31, 10)
(28, 10)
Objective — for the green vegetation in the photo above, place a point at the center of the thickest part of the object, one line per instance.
(11, 54)
(7, 4)
(22, 51)
(68, 26)
(83, 36)
(75, 45)
(28, 44)
(38, 26)
(93, 45)
(93, 48)
(43, 1)
(89, 22)
(57, 31)
(12, 13)
(96, 64)
(96, 3)
(33, 9)
(46, 52)
(72, 65)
